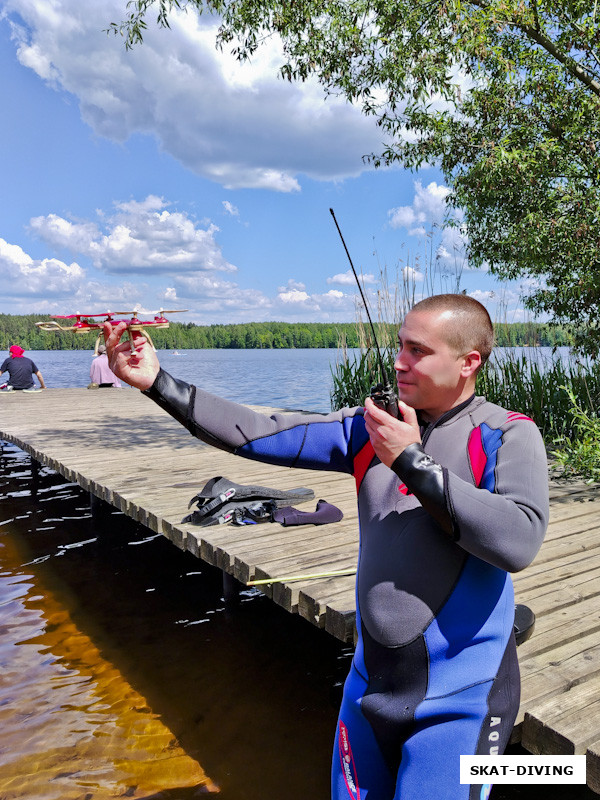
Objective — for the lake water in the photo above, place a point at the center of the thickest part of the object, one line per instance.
(122, 671)
(257, 377)
(280, 378)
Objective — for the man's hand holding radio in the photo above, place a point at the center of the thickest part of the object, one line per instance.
(390, 436)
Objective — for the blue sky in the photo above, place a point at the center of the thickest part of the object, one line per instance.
(170, 176)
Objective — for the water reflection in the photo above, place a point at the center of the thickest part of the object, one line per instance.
(124, 675)
(71, 723)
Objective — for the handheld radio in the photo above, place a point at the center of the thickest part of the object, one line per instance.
(381, 394)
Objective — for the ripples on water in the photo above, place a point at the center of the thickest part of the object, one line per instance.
(298, 378)
(123, 673)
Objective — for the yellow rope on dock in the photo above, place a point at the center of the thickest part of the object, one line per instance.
(288, 578)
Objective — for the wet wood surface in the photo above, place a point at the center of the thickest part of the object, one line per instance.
(126, 451)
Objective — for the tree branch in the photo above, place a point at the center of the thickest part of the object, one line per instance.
(549, 46)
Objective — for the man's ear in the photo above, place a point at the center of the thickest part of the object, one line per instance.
(471, 363)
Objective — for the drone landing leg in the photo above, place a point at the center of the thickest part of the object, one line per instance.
(144, 333)
(131, 344)
(147, 335)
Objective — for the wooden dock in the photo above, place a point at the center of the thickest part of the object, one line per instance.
(125, 450)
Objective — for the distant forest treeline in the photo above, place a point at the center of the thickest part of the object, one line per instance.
(252, 335)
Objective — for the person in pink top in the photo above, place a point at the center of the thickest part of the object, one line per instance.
(101, 374)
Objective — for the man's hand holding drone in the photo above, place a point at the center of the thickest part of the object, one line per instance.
(133, 360)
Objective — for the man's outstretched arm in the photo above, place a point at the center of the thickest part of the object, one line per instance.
(311, 441)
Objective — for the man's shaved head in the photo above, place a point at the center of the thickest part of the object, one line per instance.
(468, 326)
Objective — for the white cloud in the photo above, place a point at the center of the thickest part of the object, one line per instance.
(482, 296)
(97, 296)
(347, 278)
(412, 275)
(453, 246)
(425, 217)
(337, 301)
(64, 234)
(320, 306)
(238, 124)
(293, 286)
(230, 208)
(504, 304)
(140, 236)
(52, 286)
(23, 276)
(428, 208)
(207, 293)
(402, 217)
(293, 296)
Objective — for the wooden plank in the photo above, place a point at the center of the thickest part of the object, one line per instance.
(563, 725)
(559, 512)
(557, 671)
(247, 557)
(593, 766)
(539, 576)
(331, 606)
(562, 627)
(556, 595)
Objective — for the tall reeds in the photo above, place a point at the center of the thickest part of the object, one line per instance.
(544, 389)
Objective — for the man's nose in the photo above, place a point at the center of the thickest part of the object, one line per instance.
(400, 363)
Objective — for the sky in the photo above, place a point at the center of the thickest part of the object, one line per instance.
(170, 176)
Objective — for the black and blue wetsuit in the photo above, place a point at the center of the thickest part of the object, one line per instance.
(435, 671)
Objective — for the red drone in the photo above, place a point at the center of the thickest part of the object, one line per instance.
(84, 323)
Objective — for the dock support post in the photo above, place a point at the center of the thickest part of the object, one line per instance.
(95, 505)
(35, 476)
(98, 507)
(231, 589)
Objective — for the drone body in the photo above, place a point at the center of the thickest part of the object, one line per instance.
(84, 323)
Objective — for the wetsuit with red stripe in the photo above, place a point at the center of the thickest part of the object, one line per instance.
(435, 672)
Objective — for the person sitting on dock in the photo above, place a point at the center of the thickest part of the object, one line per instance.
(101, 375)
(21, 371)
(452, 497)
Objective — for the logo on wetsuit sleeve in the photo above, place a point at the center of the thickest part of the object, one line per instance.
(347, 762)
(494, 736)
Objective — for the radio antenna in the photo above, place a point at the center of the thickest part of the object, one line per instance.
(380, 360)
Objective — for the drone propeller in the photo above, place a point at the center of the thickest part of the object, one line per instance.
(79, 316)
(160, 311)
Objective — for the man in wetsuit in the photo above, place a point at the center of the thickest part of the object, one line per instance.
(451, 498)
(21, 370)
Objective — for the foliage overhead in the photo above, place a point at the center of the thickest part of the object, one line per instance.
(504, 95)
